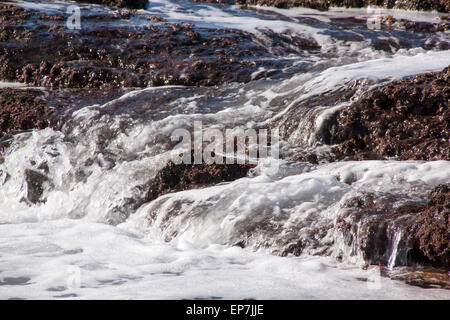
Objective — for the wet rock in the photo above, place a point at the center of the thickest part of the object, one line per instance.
(286, 4)
(439, 5)
(298, 124)
(11, 14)
(34, 182)
(388, 45)
(369, 224)
(431, 229)
(282, 4)
(374, 224)
(404, 120)
(422, 277)
(132, 4)
(22, 109)
(180, 177)
(14, 281)
(416, 26)
(155, 54)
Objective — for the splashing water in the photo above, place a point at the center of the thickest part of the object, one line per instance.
(92, 234)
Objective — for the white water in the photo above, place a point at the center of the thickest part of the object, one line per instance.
(118, 264)
(181, 245)
(393, 257)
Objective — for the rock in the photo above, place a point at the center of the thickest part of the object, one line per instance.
(180, 177)
(50, 55)
(286, 4)
(131, 4)
(424, 277)
(369, 223)
(22, 110)
(431, 229)
(404, 120)
(428, 5)
(34, 181)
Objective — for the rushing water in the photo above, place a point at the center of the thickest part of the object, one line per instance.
(88, 240)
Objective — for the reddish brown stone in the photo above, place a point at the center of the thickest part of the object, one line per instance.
(405, 120)
(22, 110)
(439, 5)
(180, 177)
(132, 4)
(431, 229)
(371, 221)
(423, 277)
(50, 55)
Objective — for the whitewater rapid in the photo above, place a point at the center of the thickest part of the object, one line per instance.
(84, 240)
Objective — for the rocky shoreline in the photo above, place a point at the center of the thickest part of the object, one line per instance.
(373, 220)
(406, 119)
(159, 53)
(428, 5)
(131, 4)
(402, 120)
(22, 110)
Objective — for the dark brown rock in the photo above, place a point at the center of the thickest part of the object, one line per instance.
(23, 110)
(34, 181)
(431, 229)
(50, 55)
(369, 223)
(428, 5)
(416, 26)
(180, 177)
(372, 221)
(132, 4)
(286, 4)
(424, 277)
(405, 120)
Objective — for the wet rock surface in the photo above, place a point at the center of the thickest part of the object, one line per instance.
(23, 109)
(132, 4)
(394, 230)
(405, 120)
(402, 120)
(439, 5)
(155, 53)
(177, 177)
(422, 277)
(370, 222)
(34, 182)
(431, 229)
(391, 23)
